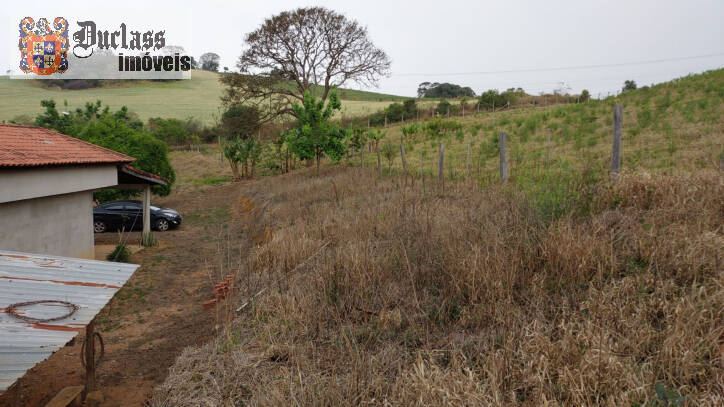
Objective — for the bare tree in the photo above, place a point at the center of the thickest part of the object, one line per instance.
(295, 50)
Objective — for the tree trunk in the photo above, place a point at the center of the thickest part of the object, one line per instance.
(235, 170)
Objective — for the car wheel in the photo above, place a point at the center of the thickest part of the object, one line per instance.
(162, 225)
(99, 226)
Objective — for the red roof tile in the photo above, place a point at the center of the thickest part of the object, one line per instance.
(29, 146)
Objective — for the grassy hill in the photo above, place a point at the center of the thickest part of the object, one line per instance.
(671, 126)
(197, 97)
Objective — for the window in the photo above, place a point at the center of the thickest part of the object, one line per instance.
(116, 207)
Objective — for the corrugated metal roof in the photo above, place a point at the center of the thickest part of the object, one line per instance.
(24, 277)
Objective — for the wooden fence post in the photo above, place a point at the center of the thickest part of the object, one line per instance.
(616, 150)
(362, 156)
(90, 359)
(503, 158)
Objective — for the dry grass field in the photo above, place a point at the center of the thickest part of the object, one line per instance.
(361, 291)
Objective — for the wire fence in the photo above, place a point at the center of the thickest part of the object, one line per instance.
(476, 159)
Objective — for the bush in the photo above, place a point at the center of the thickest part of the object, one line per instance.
(628, 85)
(443, 90)
(443, 108)
(585, 96)
(174, 131)
(493, 99)
(120, 254)
(437, 128)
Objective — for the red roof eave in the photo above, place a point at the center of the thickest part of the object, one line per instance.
(30, 146)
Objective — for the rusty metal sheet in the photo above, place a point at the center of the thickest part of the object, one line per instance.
(25, 277)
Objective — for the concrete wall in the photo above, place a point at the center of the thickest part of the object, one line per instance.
(27, 183)
(61, 225)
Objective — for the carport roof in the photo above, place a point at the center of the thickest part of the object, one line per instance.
(25, 277)
(30, 146)
(132, 175)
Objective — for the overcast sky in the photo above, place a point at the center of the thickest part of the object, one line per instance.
(463, 42)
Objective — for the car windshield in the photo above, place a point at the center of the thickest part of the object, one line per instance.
(155, 208)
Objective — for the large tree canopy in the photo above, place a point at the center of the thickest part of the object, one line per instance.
(209, 62)
(120, 131)
(295, 50)
(443, 90)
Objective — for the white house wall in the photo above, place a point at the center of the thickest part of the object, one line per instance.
(29, 183)
(59, 225)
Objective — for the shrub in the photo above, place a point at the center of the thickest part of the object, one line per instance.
(629, 85)
(389, 151)
(585, 96)
(174, 131)
(119, 254)
(443, 107)
(493, 99)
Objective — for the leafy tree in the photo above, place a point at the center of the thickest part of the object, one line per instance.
(443, 107)
(175, 131)
(410, 130)
(120, 131)
(629, 85)
(315, 136)
(395, 112)
(585, 95)
(410, 107)
(376, 135)
(244, 154)
(492, 98)
(210, 61)
(295, 50)
(355, 139)
(389, 151)
(443, 90)
(438, 127)
(241, 121)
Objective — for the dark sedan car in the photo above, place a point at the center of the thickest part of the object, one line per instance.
(128, 215)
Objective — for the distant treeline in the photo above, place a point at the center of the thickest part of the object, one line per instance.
(487, 101)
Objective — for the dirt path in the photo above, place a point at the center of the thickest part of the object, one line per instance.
(158, 312)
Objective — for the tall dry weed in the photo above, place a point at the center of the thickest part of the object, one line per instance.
(384, 295)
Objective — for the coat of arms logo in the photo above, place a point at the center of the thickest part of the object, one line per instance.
(43, 49)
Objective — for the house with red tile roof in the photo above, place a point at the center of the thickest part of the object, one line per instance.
(47, 181)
